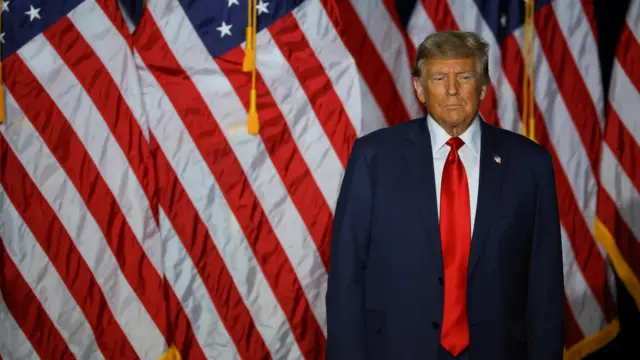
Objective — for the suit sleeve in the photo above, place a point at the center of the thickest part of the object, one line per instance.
(349, 244)
(545, 305)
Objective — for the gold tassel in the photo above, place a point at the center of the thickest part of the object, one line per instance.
(253, 121)
(528, 93)
(171, 354)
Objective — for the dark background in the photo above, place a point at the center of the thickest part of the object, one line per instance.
(610, 17)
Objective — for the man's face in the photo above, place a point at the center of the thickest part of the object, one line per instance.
(451, 91)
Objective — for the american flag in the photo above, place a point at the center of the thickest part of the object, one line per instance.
(136, 213)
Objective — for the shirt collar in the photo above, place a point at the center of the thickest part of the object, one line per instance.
(439, 137)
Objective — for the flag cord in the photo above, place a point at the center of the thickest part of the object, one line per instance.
(249, 64)
(528, 92)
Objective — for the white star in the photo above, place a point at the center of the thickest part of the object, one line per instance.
(224, 29)
(2, 38)
(231, 2)
(262, 7)
(34, 13)
(503, 20)
(5, 6)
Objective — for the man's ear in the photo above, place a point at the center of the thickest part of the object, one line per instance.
(483, 91)
(419, 89)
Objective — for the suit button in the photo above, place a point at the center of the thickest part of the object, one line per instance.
(440, 281)
(435, 325)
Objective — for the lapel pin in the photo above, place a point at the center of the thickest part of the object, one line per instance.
(497, 159)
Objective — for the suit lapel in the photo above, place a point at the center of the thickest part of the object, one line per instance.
(419, 159)
(492, 162)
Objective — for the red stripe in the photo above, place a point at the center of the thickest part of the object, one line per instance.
(26, 309)
(590, 13)
(629, 55)
(373, 69)
(202, 250)
(442, 18)
(70, 153)
(214, 148)
(96, 80)
(282, 148)
(316, 84)
(53, 237)
(113, 12)
(390, 6)
(610, 216)
(572, 332)
(571, 84)
(584, 246)
(624, 146)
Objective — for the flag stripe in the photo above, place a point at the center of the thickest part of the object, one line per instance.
(625, 95)
(627, 197)
(183, 218)
(624, 147)
(62, 253)
(24, 305)
(316, 84)
(303, 189)
(59, 136)
(357, 99)
(627, 243)
(225, 168)
(390, 7)
(98, 84)
(575, 25)
(390, 46)
(14, 344)
(377, 77)
(42, 278)
(206, 195)
(570, 84)
(86, 40)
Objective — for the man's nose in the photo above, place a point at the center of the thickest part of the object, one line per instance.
(452, 86)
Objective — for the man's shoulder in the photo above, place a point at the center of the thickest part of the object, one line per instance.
(388, 136)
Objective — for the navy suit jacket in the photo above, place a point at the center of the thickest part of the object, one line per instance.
(385, 285)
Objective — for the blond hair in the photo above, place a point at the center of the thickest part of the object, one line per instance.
(452, 45)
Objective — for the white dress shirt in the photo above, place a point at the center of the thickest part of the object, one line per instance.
(469, 154)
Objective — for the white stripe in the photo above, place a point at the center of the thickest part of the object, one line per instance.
(625, 99)
(578, 34)
(45, 282)
(256, 163)
(87, 122)
(625, 195)
(390, 44)
(583, 304)
(117, 58)
(306, 129)
(469, 18)
(419, 25)
(633, 18)
(185, 280)
(14, 345)
(356, 97)
(565, 138)
(115, 53)
(72, 212)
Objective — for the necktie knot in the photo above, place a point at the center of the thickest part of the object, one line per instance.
(455, 143)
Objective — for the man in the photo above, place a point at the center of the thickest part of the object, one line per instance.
(446, 242)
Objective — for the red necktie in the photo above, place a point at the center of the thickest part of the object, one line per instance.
(455, 230)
